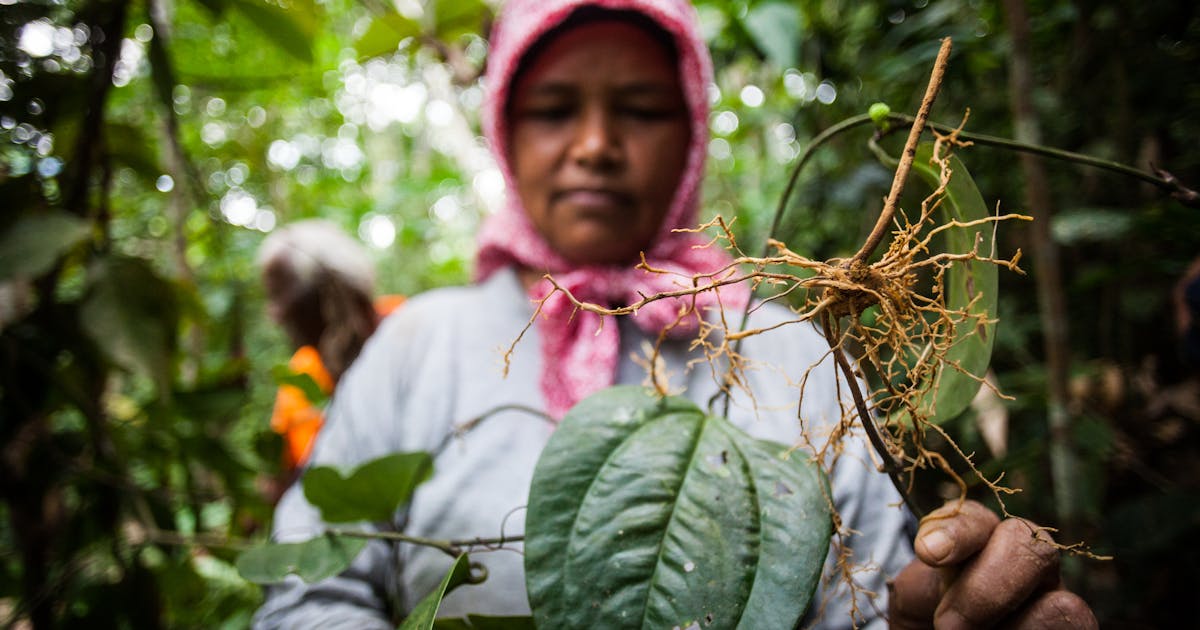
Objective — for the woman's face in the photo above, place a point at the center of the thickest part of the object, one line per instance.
(599, 137)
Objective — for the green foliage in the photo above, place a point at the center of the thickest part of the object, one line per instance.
(423, 615)
(385, 33)
(971, 289)
(130, 313)
(304, 382)
(776, 29)
(372, 492)
(36, 241)
(312, 560)
(645, 512)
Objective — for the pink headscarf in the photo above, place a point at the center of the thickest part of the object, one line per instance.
(579, 353)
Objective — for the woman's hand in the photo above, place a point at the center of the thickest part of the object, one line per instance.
(973, 570)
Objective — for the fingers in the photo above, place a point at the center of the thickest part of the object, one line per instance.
(1017, 561)
(1056, 610)
(954, 532)
(913, 596)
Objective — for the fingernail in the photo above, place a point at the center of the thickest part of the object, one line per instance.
(951, 620)
(937, 545)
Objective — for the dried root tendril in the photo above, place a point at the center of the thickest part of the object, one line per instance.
(906, 347)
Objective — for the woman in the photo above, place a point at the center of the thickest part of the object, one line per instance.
(597, 116)
(320, 287)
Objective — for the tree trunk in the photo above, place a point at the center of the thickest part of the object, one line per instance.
(1047, 272)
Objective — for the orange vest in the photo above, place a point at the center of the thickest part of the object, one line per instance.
(295, 417)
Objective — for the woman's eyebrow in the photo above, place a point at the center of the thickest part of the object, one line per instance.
(648, 86)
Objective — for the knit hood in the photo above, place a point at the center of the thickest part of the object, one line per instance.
(580, 353)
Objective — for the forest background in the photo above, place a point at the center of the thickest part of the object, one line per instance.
(147, 146)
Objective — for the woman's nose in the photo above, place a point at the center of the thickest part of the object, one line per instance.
(597, 142)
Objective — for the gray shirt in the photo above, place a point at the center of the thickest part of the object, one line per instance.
(437, 363)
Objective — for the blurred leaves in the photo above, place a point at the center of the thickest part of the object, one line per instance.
(777, 31)
(970, 288)
(292, 29)
(312, 560)
(385, 33)
(283, 375)
(423, 616)
(131, 313)
(371, 492)
(31, 246)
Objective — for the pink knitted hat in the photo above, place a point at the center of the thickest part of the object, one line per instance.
(579, 353)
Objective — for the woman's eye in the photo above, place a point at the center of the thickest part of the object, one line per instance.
(649, 112)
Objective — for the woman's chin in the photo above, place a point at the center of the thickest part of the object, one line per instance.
(618, 253)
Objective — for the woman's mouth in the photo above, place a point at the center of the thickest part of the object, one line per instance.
(593, 198)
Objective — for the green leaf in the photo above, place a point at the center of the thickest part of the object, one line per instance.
(950, 390)
(423, 615)
(30, 246)
(131, 313)
(373, 492)
(645, 512)
(130, 146)
(385, 34)
(775, 29)
(292, 30)
(304, 382)
(313, 560)
(454, 18)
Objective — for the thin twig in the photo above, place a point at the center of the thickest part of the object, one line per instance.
(454, 548)
(460, 429)
(1160, 178)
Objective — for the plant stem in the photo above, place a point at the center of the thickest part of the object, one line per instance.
(890, 465)
(1163, 180)
(454, 548)
(910, 150)
(816, 143)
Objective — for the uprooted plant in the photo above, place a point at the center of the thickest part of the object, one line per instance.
(919, 321)
(909, 314)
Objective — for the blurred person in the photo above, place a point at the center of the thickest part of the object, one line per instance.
(319, 284)
(1186, 301)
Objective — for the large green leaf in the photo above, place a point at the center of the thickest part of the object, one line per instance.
(645, 512)
(30, 246)
(951, 389)
(131, 313)
(775, 29)
(423, 615)
(313, 560)
(372, 492)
